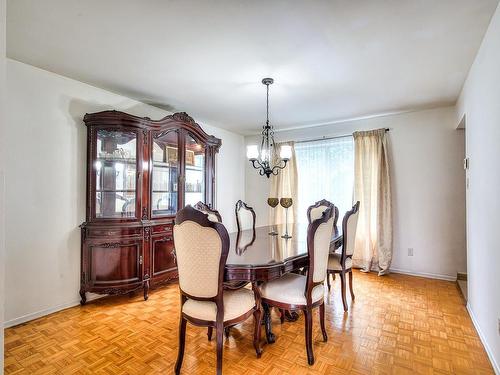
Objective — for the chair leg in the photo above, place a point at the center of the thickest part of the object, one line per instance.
(308, 324)
(350, 285)
(328, 281)
(182, 342)
(219, 334)
(256, 331)
(343, 287)
(322, 321)
(209, 333)
(227, 331)
(282, 316)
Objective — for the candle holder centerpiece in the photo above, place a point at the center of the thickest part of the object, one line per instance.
(273, 202)
(286, 203)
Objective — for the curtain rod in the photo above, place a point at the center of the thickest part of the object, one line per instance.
(326, 138)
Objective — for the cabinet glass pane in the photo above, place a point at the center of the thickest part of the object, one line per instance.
(115, 169)
(195, 172)
(165, 174)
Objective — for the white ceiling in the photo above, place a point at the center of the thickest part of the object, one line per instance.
(331, 60)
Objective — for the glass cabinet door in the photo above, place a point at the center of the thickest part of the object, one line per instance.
(164, 196)
(115, 169)
(194, 184)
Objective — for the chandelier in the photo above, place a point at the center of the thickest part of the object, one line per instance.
(263, 159)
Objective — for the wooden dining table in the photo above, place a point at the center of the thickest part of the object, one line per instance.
(256, 256)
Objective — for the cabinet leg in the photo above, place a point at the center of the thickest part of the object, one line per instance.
(83, 297)
(146, 290)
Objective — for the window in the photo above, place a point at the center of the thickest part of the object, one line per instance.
(325, 171)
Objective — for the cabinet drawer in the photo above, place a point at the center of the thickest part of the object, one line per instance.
(114, 232)
(164, 228)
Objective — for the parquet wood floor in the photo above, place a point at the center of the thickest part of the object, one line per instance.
(397, 325)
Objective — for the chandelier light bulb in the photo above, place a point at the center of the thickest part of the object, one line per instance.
(252, 152)
(286, 152)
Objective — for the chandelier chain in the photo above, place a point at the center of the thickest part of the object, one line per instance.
(267, 106)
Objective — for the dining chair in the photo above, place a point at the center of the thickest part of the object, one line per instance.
(341, 263)
(245, 216)
(201, 248)
(316, 210)
(304, 292)
(213, 215)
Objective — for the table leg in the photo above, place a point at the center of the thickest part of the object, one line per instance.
(267, 323)
(291, 316)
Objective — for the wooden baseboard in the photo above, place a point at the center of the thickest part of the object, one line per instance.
(424, 274)
(38, 314)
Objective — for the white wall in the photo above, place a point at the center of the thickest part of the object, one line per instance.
(480, 103)
(45, 184)
(428, 187)
(2, 197)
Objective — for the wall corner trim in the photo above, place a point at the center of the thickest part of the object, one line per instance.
(495, 365)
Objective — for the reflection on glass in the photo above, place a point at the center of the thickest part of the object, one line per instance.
(273, 202)
(195, 172)
(115, 173)
(244, 239)
(165, 174)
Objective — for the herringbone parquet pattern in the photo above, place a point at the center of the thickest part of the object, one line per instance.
(397, 325)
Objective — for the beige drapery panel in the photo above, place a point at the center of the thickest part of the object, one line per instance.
(372, 187)
(284, 185)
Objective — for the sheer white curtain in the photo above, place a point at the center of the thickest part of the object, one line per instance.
(325, 171)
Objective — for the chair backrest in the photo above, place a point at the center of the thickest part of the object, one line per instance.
(336, 216)
(245, 216)
(319, 235)
(315, 211)
(213, 215)
(201, 248)
(349, 225)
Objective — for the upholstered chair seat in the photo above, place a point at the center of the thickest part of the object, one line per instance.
(236, 303)
(290, 289)
(334, 262)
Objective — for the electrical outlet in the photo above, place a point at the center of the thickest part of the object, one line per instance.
(410, 251)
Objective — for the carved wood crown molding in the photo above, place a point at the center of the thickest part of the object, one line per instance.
(178, 119)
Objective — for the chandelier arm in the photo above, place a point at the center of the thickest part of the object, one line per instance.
(279, 166)
(259, 164)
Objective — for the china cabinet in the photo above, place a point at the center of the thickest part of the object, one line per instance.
(139, 173)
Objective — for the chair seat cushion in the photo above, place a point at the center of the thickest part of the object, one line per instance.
(236, 303)
(334, 262)
(290, 289)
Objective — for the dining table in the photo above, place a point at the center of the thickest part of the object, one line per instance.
(257, 256)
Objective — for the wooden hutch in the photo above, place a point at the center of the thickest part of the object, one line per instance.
(139, 173)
